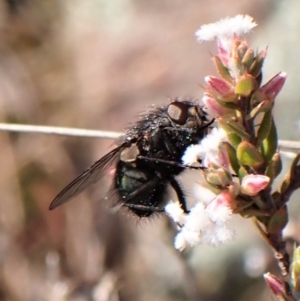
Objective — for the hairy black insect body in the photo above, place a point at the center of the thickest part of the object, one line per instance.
(148, 159)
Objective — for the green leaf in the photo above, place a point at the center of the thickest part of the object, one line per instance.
(278, 221)
(257, 64)
(234, 139)
(285, 184)
(249, 155)
(222, 70)
(269, 144)
(248, 58)
(245, 85)
(274, 167)
(264, 106)
(242, 173)
(264, 128)
(228, 104)
(231, 124)
(231, 151)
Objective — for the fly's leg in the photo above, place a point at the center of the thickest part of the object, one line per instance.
(144, 207)
(180, 194)
(167, 162)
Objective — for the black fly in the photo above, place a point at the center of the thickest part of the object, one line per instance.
(148, 159)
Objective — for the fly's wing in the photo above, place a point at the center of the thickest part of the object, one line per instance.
(87, 178)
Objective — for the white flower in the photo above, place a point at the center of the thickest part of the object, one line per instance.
(204, 224)
(191, 154)
(180, 242)
(198, 218)
(174, 210)
(223, 234)
(218, 210)
(225, 28)
(212, 141)
(208, 147)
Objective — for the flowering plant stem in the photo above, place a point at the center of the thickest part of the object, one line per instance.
(242, 162)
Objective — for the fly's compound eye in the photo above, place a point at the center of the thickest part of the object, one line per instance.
(178, 112)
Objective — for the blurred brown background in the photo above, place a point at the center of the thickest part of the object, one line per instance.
(96, 64)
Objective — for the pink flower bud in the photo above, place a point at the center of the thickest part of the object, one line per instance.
(224, 48)
(223, 157)
(218, 157)
(274, 85)
(220, 208)
(219, 86)
(213, 107)
(253, 184)
(276, 285)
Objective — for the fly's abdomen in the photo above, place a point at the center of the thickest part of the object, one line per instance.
(138, 189)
